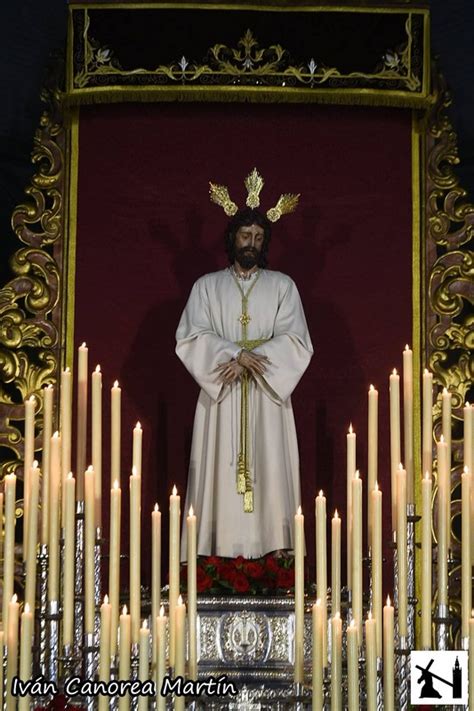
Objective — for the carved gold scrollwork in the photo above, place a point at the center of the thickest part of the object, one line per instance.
(450, 227)
(29, 302)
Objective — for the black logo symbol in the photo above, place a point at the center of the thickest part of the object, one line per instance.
(426, 678)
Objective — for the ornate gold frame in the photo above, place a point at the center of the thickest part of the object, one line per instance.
(36, 305)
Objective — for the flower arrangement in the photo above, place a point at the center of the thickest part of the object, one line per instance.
(259, 576)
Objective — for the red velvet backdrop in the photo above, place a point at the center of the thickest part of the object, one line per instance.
(146, 230)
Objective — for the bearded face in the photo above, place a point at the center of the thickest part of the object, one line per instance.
(248, 245)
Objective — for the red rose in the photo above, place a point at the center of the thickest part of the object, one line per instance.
(203, 580)
(239, 562)
(254, 569)
(285, 578)
(271, 564)
(240, 583)
(211, 560)
(226, 570)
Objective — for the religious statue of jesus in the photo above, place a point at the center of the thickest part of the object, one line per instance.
(244, 339)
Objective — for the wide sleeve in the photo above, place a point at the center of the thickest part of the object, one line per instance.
(197, 344)
(289, 350)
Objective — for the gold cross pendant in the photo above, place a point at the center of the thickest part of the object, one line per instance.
(245, 319)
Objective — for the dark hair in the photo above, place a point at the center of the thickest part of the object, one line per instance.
(244, 218)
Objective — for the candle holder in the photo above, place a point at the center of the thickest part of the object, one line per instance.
(43, 586)
(402, 673)
(134, 665)
(114, 675)
(3, 686)
(90, 665)
(70, 666)
(53, 616)
(97, 583)
(78, 598)
(379, 684)
(442, 622)
(411, 520)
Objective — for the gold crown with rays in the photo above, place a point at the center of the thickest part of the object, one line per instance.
(254, 184)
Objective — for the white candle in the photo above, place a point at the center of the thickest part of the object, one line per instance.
(321, 565)
(395, 450)
(26, 645)
(192, 594)
(114, 562)
(89, 543)
(466, 571)
(335, 564)
(137, 448)
(372, 454)
(427, 421)
(104, 650)
(175, 513)
(124, 656)
(155, 567)
(160, 662)
(443, 508)
(317, 657)
(81, 425)
(371, 662)
(69, 560)
(135, 552)
(402, 552)
(299, 597)
(30, 406)
(65, 427)
(54, 511)
(427, 561)
(143, 664)
(469, 460)
(48, 395)
(376, 568)
(352, 667)
(180, 647)
(357, 552)
(388, 657)
(12, 650)
(30, 583)
(9, 546)
(97, 442)
(446, 426)
(350, 471)
(408, 420)
(115, 431)
(336, 663)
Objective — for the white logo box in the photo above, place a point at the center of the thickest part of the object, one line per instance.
(439, 678)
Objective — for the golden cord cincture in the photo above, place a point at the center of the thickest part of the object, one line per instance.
(244, 478)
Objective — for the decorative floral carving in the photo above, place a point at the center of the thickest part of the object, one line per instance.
(450, 227)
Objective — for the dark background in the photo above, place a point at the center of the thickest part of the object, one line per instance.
(30, 31)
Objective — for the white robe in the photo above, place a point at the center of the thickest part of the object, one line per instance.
(208, 334)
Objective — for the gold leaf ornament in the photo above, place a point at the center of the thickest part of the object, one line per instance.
(220, 195)
(254, 184)
(286, 203)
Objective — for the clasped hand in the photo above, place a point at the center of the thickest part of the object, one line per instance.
(232, 370)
